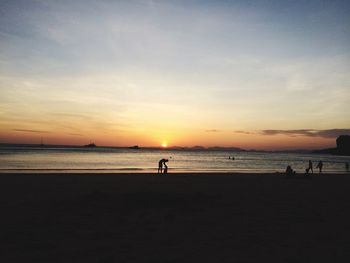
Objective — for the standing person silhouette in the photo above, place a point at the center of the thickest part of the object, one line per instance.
(160, 164)
(165, 169)
(319, 166)
(310, 167)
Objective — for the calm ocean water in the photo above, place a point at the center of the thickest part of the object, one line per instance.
(66, 159)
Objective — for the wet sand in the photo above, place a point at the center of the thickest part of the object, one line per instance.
(177, 218)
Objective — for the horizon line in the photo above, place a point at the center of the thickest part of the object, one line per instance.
(175, 147)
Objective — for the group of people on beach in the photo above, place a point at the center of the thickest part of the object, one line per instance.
(309, 168)
(290, 171)
(320, 166)
(163, 167)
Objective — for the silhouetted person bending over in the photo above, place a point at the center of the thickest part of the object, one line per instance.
(160, 165)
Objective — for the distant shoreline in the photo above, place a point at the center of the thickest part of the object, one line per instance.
(171, 148)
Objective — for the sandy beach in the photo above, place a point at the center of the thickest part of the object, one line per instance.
(174, 218)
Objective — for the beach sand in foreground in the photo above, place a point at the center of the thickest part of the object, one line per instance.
(174, 218)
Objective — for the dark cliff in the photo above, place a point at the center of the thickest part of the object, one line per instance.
(343, 146)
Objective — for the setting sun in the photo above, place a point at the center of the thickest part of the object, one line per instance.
(164, 145)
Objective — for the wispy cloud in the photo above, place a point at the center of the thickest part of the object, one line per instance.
(81, 116)
(331, 133)
(212, 130)
(244, 132)
(75, 134)
(33, 131)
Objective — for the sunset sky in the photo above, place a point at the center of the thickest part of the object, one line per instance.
(250, 74)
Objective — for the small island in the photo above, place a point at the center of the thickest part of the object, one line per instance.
(134, 147)
(90, 145)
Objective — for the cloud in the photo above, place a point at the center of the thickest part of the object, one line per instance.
(212, 130)
(75, 134)
(33, 131)
(244, 132)
(72, 115)
(331, 133)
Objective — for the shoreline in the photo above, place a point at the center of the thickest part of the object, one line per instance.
(154, 171)
(58, 172)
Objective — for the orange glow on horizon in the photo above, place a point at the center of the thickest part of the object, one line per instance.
(189, 139)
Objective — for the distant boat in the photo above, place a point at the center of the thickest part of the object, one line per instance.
(90, 145)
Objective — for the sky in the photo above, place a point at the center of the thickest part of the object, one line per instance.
(252, 74)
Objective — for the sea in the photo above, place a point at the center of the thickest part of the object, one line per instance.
(36, 159)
